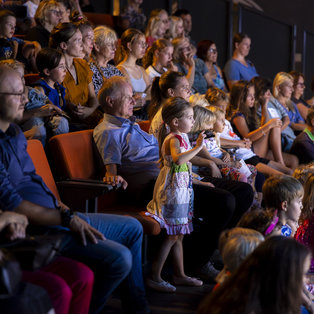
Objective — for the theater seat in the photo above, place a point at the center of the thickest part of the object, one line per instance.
(144, 125)
(77, 158)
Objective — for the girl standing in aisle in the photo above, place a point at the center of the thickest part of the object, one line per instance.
(173, 194)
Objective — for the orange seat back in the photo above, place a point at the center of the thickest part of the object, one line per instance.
(144, 125)
(31, 78)
(36, 151)
(100, 19)
(75, 155)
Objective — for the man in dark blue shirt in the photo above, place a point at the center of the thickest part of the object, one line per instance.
(111, 244)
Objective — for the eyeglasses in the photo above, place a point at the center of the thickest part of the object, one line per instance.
(56, 12)
(143, 44)
(212, 50)
(301, 84)
(14, 94)
(186, 88)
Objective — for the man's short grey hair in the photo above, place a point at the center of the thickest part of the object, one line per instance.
(111, 88)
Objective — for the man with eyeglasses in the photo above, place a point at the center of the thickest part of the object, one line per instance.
(112, 249)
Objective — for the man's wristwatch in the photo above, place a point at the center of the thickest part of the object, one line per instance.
(66, 217)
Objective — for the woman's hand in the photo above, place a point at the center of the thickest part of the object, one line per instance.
(82, 112)
(226, 158)
(189, 59)
(48, 110)
(274, 123)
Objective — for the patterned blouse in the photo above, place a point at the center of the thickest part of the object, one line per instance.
(98, 77)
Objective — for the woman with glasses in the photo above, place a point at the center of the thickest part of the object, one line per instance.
(104, 50)
(47, 16)
(132, 48)
(207, 51)
(297, 94)
(80, 97)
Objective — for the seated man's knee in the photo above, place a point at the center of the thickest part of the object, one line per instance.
(122, 263)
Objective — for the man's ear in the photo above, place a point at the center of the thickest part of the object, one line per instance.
(109, 101)
(284, 206)
(170, 92)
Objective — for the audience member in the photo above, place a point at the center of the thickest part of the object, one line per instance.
(238, 67)
(187, 23)
(282, 91)
(298, 91)
(235, 245)
(303, 145)
(87, 35)
(240, 149)
(47, 16)
(264, 134)
(194, 68)
(10, 45)
(133, 13)
(103, 52)
(158, 58)
(176, 28)
(263, 273)
(157, 25)
(82, 103)
(133, 47)
(172, 203)
(303, 171)
(207, 51)
(284, 194)
(305, 231)
(112, 259)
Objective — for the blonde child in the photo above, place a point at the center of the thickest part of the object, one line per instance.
(206, 120)
(173, 194)
(235, 245)
(176, 29)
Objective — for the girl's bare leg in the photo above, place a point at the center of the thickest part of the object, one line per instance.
(291, 161)
(161, 257)
(275, 145)
(177, 256)
(273, 168)
(261, 146)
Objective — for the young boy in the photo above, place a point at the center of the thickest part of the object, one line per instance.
(12, 47)
(285, 194)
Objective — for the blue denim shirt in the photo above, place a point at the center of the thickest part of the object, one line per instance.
(122, 142)
(18, 179)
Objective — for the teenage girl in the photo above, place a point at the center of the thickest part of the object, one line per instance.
(158, 58)
(173, 194)
(132, 48)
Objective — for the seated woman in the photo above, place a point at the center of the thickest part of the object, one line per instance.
(264, 266)
(157, 26)
(103, 52)
(303, 145)
(158, 58)
(47, 16)
(194, 68)
(239, 68)
(69, 283)
(297, 94)
(292, 121)
(133, 47)
(207, 51)
(80, 97)
(265, 134)
(134, 15)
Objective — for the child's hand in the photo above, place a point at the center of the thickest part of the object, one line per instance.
(226, 158)
(200, 139)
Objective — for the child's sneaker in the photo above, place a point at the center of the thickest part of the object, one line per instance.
(162, 286)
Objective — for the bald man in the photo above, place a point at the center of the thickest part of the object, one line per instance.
(110, 244)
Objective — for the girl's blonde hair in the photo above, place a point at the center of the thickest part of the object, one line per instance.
(202, 116)
(308, 198)
(280, 79)
(219, 113)
(234, 246)
(198, 100)
(174, 21)
(159, 45)
(153, 26)
(177, 45)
